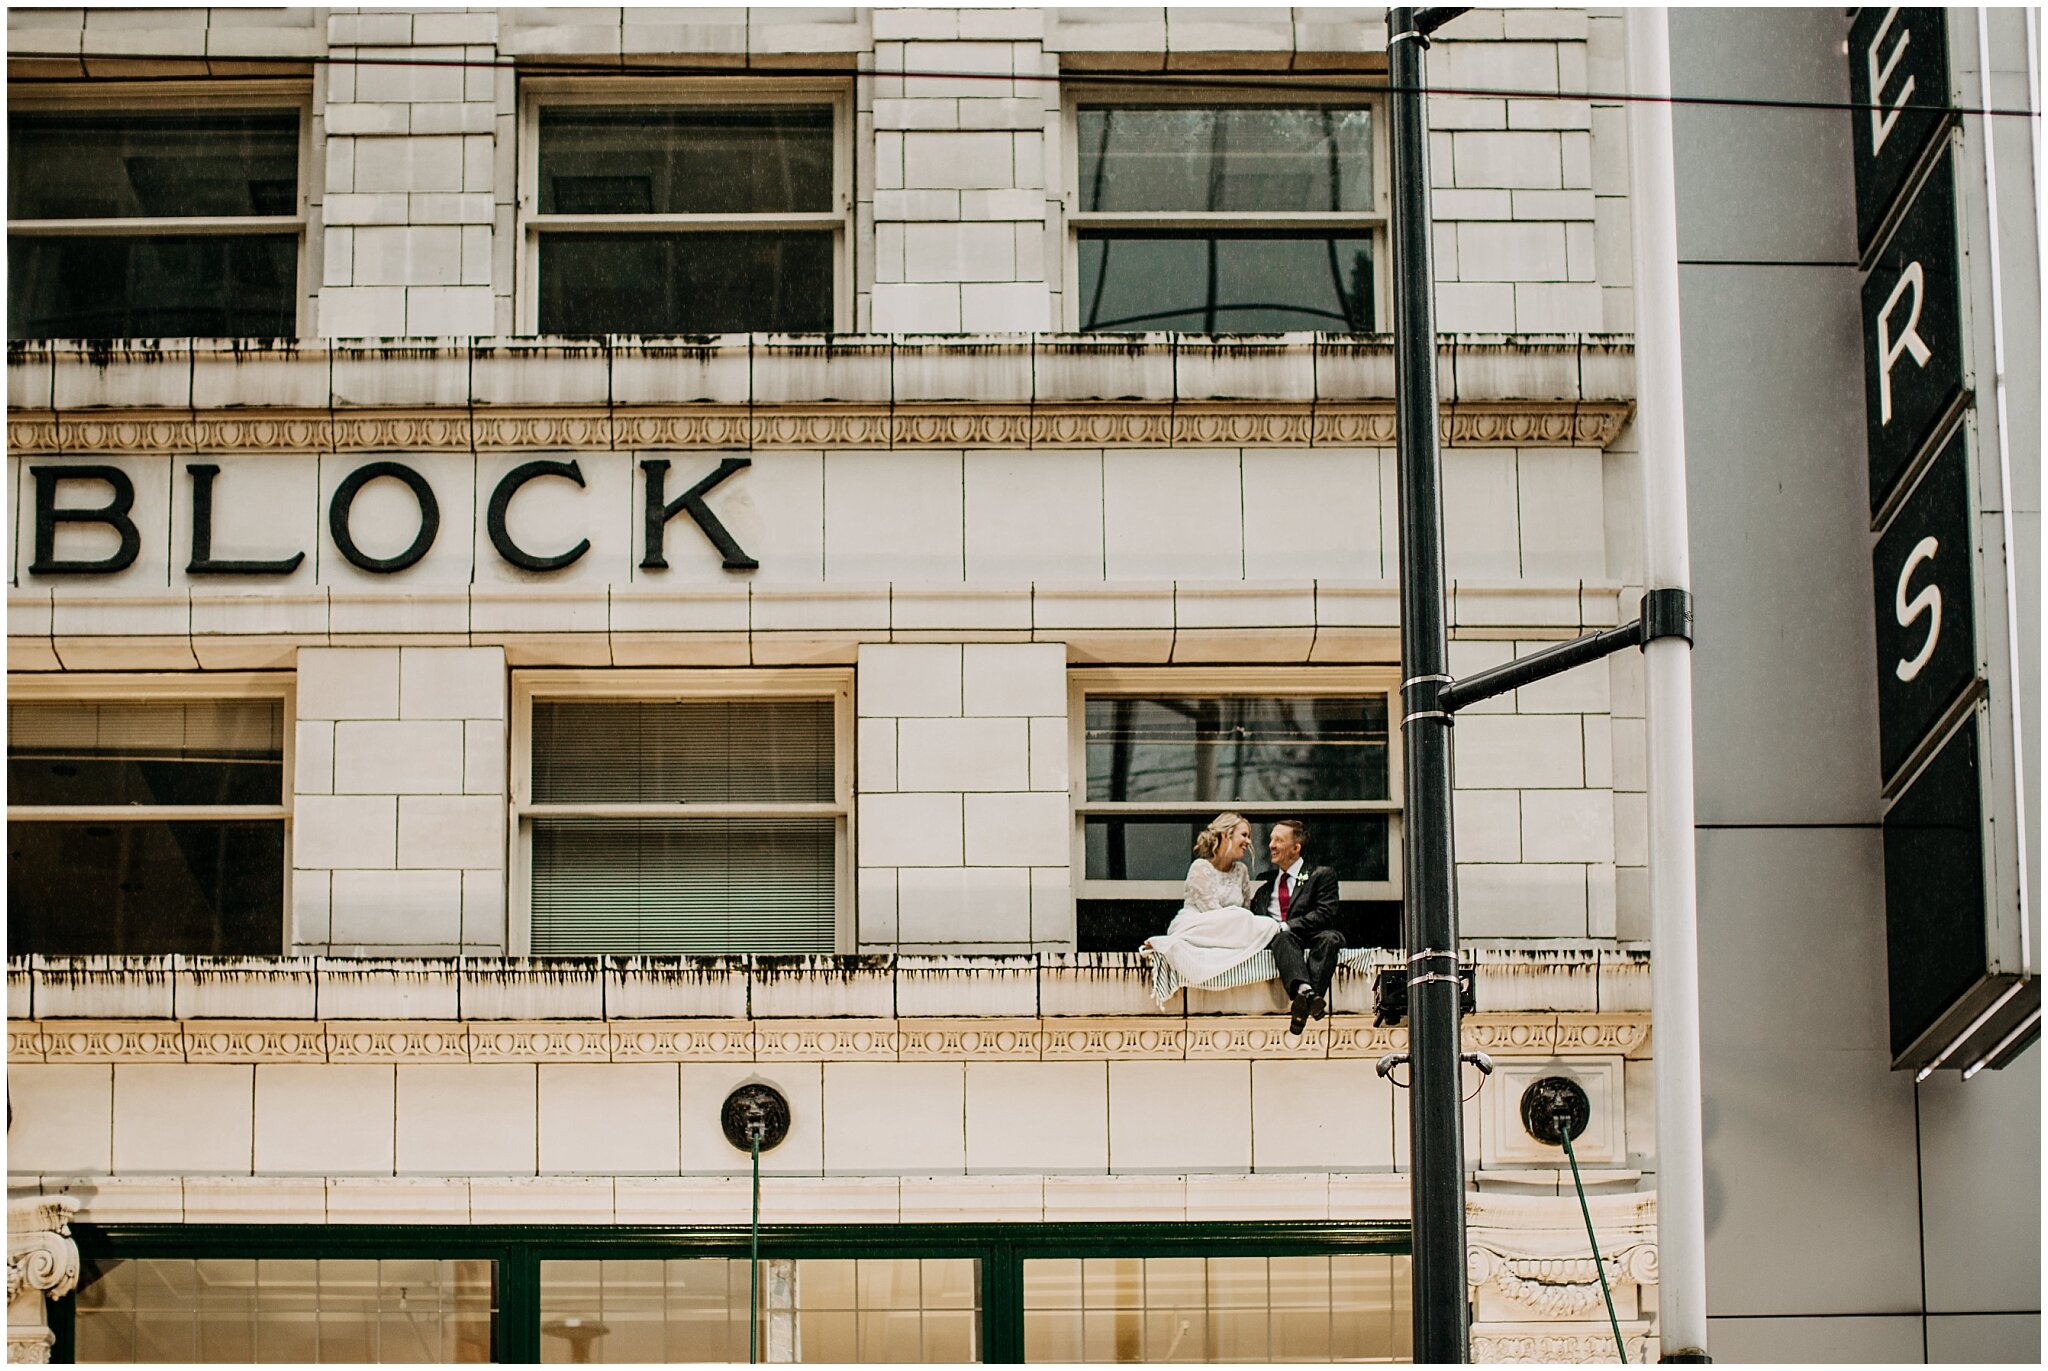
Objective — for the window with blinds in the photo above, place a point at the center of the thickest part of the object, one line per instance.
(684, 826)
(146, 827)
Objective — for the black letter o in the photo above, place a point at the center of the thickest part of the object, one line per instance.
(345, 496)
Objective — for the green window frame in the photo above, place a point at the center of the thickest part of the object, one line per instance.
(519, 1250)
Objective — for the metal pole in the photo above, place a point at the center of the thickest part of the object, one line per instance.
(1436, 1153)
(1667, 690)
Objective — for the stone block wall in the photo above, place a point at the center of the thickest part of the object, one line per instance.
(960, 187)
(961, 764)
(398, 801)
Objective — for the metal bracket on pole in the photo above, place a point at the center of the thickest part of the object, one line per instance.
(1666, 614)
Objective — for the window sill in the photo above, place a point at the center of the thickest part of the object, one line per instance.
(863, 995)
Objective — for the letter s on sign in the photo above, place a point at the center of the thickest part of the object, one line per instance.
(1928, 601)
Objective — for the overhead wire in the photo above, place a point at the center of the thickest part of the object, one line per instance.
(1319, 83)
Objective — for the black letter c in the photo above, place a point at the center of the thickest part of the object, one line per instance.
(501, 506)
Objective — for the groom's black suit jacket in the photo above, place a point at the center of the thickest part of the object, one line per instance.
(1311, 908)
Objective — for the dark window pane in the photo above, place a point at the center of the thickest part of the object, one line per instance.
(660, 751)
(686, 283)
(1158, 847)
(1120, 925)
(213, 752)
(175, 286)
(119, 164)
(134, 888)
(1137, 281)
(685, 161)
(1237, 748)
(1242, 159)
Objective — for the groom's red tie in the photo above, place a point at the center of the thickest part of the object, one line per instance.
(1284, 883)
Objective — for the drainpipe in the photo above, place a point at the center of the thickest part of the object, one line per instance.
(1667, 676)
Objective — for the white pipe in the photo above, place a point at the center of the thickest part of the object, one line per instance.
(1667, 675)
(1988, 126)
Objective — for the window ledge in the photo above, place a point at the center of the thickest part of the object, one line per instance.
(1023, 389)
(861, 996)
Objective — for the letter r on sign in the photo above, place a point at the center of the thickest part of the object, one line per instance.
(1909, 340)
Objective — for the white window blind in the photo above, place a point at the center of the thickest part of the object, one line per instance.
(609, 877)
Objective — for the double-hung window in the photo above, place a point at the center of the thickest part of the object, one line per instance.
(683, 812)
(144, 821)
(139, 220)
(1158, 755)
(1239, 218)
(662, 209)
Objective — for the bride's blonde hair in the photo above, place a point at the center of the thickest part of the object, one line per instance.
(1210, 840)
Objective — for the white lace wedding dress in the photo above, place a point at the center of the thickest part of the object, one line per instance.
(1214, 930)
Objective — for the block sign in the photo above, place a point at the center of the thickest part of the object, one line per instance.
(1926, 630)
(1898, 63)
(1912, 333)
(1936, 943)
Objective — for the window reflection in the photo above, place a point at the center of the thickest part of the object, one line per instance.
(1347, 1308)
(280, 1311)
(812, 1310)
(1237, 748)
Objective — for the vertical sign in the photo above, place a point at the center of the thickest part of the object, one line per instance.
(1954, 985)
(1898, 79)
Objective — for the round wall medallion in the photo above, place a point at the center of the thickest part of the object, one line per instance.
(1554, 1109)
(755, 1108)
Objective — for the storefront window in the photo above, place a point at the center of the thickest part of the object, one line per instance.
(229, 1310)
(1344, 1308)
(695, 1310)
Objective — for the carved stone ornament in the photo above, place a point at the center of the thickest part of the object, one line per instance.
(42, 1264)
(1536, 1294)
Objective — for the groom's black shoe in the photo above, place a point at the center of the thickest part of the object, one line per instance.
(1318, 1006)
(1304, 1004)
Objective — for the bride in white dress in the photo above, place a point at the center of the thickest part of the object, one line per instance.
(1215, 929)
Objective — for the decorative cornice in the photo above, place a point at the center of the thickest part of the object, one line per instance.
(1168, 1038)
(1503, 423)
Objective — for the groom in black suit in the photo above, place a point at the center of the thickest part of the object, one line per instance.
(1304, 899)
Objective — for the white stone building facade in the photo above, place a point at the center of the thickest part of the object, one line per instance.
(807, 681)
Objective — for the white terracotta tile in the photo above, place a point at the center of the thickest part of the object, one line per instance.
(894, 1118)
(117, 1199)
(972, 1199)
(1032, 515)
(609, 1119)
(255, 1199)
(1180, 1116)
(649, 988)
(544, 1199)
(324, 1120)
(398, 1199)
(1120, 1198)
(1332, 1115)
(63, 1119)
(467, 1120)
(1227, 1199)
(179, 1120)
(1038, 1116)
(686, 1200)
(956, 987)
(811, 1199)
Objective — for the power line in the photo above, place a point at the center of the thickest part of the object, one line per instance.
(1286, 84)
